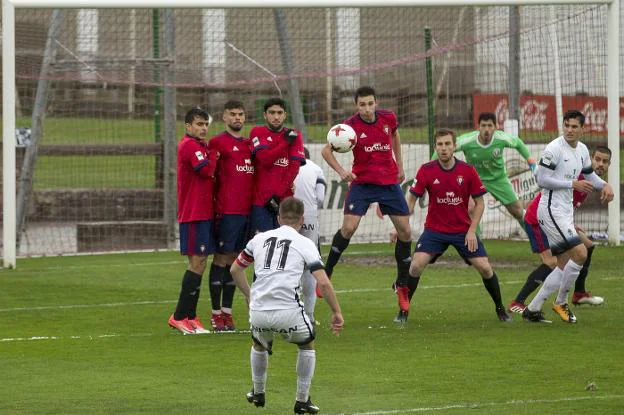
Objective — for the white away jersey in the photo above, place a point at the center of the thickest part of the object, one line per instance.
(567, 163)
(309, 176)
(280, 257)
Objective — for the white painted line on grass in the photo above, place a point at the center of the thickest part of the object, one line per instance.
(345, 291)
(61, 307)
(476, 405)
(107, 336)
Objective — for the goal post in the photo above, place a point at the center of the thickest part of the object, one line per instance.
(385, 65)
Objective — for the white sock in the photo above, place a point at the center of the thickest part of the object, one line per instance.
(570, 274)
(550, 285)
(306, 361)
(259, 364)
(308, 288)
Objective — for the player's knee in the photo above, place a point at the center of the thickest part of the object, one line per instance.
(347, 230)
(483, 267)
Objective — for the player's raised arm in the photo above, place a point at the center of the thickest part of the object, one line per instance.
(328, 155)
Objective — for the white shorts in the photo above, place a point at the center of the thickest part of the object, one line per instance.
(293, 325)
(559, 229)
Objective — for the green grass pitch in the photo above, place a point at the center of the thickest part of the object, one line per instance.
(89, 335)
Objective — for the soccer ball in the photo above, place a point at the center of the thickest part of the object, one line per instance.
(341, 138)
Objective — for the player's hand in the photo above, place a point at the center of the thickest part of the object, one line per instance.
(471, 241)
(337, 324)
(401, 175)
(347, 176)
(606, 194)
(290, 135)
(394, 236)
(583, 186)
(378, 211)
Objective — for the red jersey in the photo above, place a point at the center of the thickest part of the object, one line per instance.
(276, 162)
(234, 176)
(449, 192)
(530, 215)
(196, 167)
(373, 159)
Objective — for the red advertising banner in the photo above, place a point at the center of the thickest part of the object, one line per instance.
(538, 112)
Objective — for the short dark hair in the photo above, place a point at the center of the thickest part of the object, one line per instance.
(364, 91)
(487, 116)
(602, 149)
(306, 152)
(196, 112)
(574, 114)
(291, 210)
(232, 105)
(443, 132)
(274, 101)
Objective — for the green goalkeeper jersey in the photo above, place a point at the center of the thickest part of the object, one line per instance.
(488, 159)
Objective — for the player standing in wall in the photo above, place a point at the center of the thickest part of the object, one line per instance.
(234, 180)
(375, 177)
(484, 149)
(601, 158)
(563, 161)
(281, 255)
(277, 154)
(310, 189)
(196, 169)
(450, 184)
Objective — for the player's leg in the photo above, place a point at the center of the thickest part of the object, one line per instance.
(539, 245)
(232, 237)
(215, 278)
(341, 240)
(479, 260)
(581, 295)
(308, 283)
(261, 348)
(562, 238)
(429, 247)
(391, 201)
(358, 199)
(301, 332)
(196, 242)
(502, 190)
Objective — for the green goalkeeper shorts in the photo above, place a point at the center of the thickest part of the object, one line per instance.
(501, 190)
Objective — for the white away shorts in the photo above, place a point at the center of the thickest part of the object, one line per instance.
(293, 325)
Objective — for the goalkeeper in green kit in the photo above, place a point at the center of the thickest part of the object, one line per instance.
(484, 150)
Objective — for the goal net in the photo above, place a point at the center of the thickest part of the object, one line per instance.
(101, 169)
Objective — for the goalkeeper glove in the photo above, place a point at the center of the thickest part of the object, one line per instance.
(532, 164)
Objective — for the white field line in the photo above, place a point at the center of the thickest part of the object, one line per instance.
(106, 336)
(345, 291)
(476, 405)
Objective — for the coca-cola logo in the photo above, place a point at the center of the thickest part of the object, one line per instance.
(595, 119)
(533, 115)
(377, 147)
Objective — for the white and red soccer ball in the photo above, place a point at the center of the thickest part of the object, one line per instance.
(342, 138)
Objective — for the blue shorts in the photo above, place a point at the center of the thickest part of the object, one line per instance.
(196, 238)
(231, 233)
(390, 198)
(537, 238)
(436, 243)
(261, 220)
